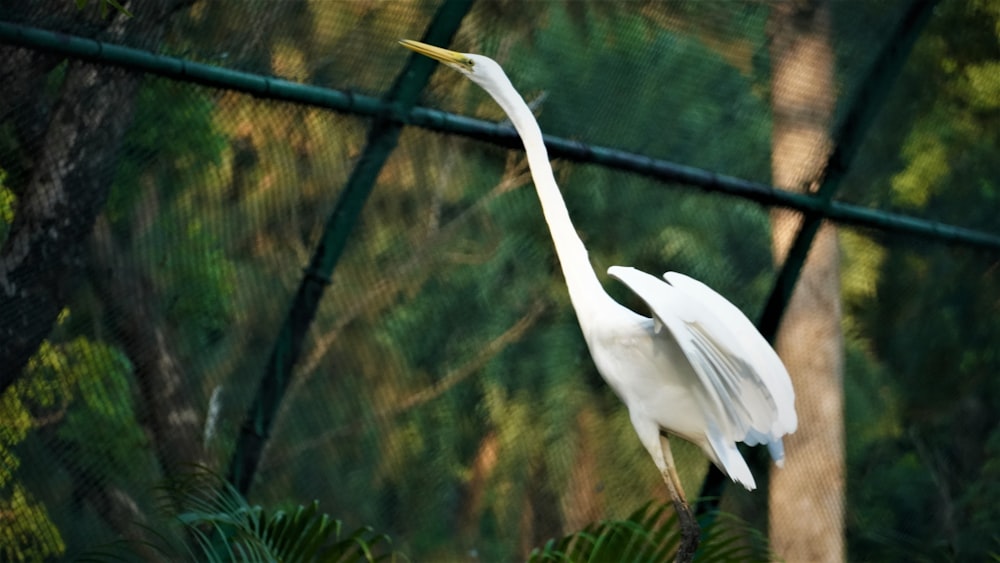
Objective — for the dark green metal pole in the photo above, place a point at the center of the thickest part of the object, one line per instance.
(382, 139)
(359, 104)
(847, 138)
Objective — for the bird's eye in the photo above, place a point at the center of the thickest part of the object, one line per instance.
(468, 64)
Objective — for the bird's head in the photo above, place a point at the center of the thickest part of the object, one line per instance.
(484, 71)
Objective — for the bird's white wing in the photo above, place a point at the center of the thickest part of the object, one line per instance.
(709, 332)
(759, 353)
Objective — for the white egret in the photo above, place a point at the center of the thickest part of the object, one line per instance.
(697, 369)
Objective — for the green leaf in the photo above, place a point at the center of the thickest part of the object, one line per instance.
(224, 527)
(650, 534)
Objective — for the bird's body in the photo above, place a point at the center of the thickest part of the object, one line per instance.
(685, 371)
(630, 356)
(696, 368)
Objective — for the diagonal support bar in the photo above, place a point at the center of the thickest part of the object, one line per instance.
(382, 139)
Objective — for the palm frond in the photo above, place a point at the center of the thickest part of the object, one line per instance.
(227, 528)
(218, 525)
(651, 534)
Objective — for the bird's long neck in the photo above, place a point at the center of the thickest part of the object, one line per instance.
(585, 290)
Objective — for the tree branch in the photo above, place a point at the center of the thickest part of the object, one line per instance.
(442, 386)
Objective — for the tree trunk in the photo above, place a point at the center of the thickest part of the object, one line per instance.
(581, 498)
(166, 408)
(474, 491)
(807, 495)
(69, 150)
(71, 164)
(540, 518)
(118, 509)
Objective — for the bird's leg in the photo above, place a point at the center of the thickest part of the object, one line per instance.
(690, 532)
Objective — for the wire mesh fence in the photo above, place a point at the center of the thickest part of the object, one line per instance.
(158, 225)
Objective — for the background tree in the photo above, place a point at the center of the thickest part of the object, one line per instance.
(67, 171)
(803, 96)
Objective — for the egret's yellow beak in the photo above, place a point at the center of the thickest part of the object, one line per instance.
(450, 58)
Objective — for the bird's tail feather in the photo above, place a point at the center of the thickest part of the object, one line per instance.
(730, 460)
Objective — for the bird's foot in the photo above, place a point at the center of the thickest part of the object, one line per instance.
(690, 532)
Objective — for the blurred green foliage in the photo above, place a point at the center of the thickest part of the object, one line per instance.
(922, 406)
(105, 6)
(80, 387)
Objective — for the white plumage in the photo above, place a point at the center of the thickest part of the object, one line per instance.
(697, 368)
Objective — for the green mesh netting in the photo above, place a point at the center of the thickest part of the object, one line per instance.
(156, 231)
